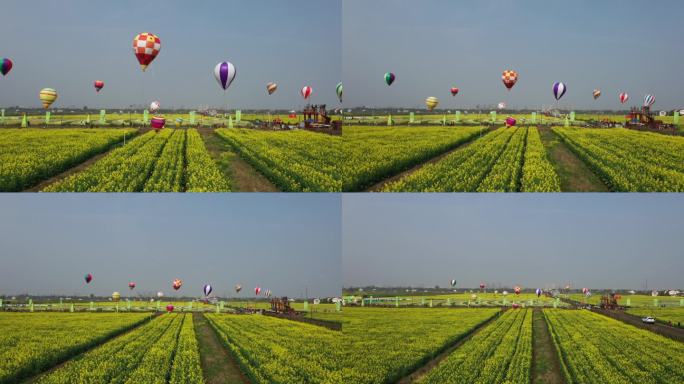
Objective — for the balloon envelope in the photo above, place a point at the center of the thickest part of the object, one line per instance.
(559, 90)
(207, 290)
(224, 73)
(431, 102)
(99, 84)
(169, 308)
(177, 283)
(623, 98)
(257, 290)
(649, 100)
(88, 278)
(306, 92)
(146, 47)
(596, 93)
(389, 78)
(158, 122)
(271, 87)
(509, 78)
(131, 285)
(5, 66)
(510, 121)
(238, 288)
(453, 282)
(47, 97)
(154, 106)
(116, 296)
(339, 89)
(454, 91)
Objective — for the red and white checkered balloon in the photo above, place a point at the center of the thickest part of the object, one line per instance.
(509, 78)
(146, 47)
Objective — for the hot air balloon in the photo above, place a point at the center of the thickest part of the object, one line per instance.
(47, 97)
(501, 105)
(224, 73)
(99, 84)
(146, 47)
(510, 121)
(271, 87)
(431, 102)
(516, 290)
(257, 290)
(5, 66)
(177, 284)
(538, 292)
(154, 106)
(88, 278)
(238, 288)
(267, 293)
(389, 78)
(453, 282)
(596, 93)
(454, 91)
(559, 90)
(169, 308)
(624, 97)
(131, 285)
(585, 290)
(482, 286)
(306, 92)
(505, 293)
(339, 89)
(157, 122)
(160, 294)
(116, 296)
(207, 289)
(509, 78)
(649, 100)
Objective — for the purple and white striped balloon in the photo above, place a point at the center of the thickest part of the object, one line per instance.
(225, 74)
(559, 90)
(207, 290)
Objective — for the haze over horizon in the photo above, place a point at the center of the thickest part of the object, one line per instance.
(69, 44)
(288, 243)
(616, 46)
(600, 241)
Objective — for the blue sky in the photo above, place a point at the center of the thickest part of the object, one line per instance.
(283, 242)
(68, 44)
(593, 240)
(615, 45)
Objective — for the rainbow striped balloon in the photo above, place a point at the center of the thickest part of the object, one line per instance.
(47, 97)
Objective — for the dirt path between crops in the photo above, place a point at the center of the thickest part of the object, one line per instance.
(377, 187)
(47, 371)
(218, 366)
(575, 176)
(546, 367)
(78, 168)
(430, 365)
(661, 329)
(243, 177)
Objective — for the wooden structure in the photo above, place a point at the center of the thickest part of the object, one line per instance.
(315, 116)
(642, 119)
(610, 301)
(282, 305)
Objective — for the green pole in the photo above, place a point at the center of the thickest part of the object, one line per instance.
(567, 121)
(492, 114)
(412, 118)
(146, 116)
(128, 304)
(92, 306)
(444, 120)
(71, 309)
(192, 117)
(430, 303)
(458, 116)
(655, 302)
(338, 306)
(389, 120)
(60, 303)
(24, 121)
(572, 116)
(681, 302)
(306, 306)
(102, 116)
(629, 302)
(422, 301)
(88, 119)
(238, 116)
(47, 117)
(675, 118)
(2, 116)
(230, 122)
(190, 305)
(449, 301)
(158, 305)
(534, 117)
(218, 310)
(0, 303)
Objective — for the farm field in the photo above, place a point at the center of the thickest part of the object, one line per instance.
(24, 350)
(627, 160)
(632, 300)
(374, 153)
(295, 161)
(383, 345)
(499, 353)
(167, 161)
(28, 156)
(663, 315)
(597, 349)
(272, 350)
(148, 354)
(493, 163)
(463, 299)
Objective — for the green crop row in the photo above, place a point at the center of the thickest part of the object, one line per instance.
(297, 161)
(374, 153)
(202, 173)
(499, 353)
(168, 171)
(272, 350)
(629, 160)
(28, 156)
(32, 342)
(143, 355)
(186, 367)
(538, 175)
(597, 349)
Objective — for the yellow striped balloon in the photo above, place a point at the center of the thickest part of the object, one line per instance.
(47, 97)
(431, 102)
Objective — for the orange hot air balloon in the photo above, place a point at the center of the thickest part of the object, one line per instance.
(146, 47)
(509, 78)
